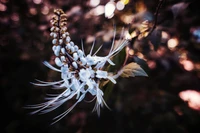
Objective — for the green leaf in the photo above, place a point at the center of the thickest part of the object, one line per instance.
(132, 70)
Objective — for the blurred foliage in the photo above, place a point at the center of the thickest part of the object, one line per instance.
(170, 56)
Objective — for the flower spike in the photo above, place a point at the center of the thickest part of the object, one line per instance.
(80, 73)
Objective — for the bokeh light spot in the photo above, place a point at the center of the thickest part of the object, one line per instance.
(192, 97)
(15, 17)
(94, 3)
(120, 5)
(172, 43)
(125, 1)
(37, 1)
(45, 10)
(33, 11)
(3, 7)
(187, 64)
(99, 10)
(109, 9)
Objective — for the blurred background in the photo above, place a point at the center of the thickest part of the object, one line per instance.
(168, 101)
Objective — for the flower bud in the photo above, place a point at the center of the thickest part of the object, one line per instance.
(57, 50)
(64, 35)
(54, 47)
(83, 60)
(75, 65)
(68, 39)
(58, 62)
(54, 35)
(75, 55)
(60, 41)
(68, 46)
(75, 48)
(57, 29)
(54, 41)
(62, 58)
(67, 33)
(80, 53)
(63, 50)
(72, 49)
(52, 28)
(72, 43)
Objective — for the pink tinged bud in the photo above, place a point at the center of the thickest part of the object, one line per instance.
(58, 62)
(51, 34)
(62, 58)
(52, 28)
(64, 35)
(67, 33)
(63, 50)
(68, 39)
(83, 60)
(64, 28)
(74, 64)
(57, 29)
(60, 41)
(75, 55)
(80, 53)
(54, 41)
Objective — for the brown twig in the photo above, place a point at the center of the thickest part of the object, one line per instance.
(156, 16)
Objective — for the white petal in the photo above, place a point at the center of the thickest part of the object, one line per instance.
(50, 66)
(101, 74)
(54, 47)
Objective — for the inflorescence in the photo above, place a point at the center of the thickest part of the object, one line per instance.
(80, 73)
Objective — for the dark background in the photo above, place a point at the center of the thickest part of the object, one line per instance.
(139, 104)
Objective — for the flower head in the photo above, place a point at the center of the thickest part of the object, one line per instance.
(80, 73)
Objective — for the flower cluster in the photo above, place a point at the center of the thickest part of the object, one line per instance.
(80, 73)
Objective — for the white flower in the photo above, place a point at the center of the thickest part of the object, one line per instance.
(101, 74)
(90, 60)
(83, 60)
(104, 75)
(84, 74)
(80, 76)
